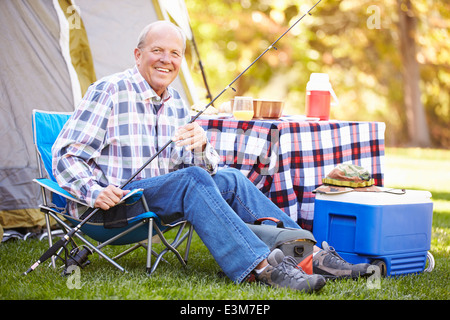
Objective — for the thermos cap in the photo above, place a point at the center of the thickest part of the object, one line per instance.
(321, 82)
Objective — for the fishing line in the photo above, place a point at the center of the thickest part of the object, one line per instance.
(224, 90)
(63, 242)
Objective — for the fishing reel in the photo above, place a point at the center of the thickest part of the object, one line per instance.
(76, 257)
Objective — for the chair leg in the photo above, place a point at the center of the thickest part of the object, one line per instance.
(149, 246)
(50, 240)
(173, 246)
(90, 245)
(179, 238)
(188, 242)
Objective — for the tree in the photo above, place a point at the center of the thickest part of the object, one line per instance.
(388, 60)
(415, 114)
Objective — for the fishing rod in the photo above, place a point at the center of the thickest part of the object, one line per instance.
(225, 89)
(65, 240)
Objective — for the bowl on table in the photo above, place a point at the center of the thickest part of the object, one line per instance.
(266, 109)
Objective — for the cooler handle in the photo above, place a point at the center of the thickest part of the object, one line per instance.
(279, 223)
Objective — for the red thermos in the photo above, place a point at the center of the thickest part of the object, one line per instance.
(318, 96)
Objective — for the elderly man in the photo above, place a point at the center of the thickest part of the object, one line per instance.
(123, 120)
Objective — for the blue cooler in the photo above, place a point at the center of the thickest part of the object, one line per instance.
(392, 231)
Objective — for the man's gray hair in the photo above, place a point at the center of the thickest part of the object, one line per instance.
(145, 31)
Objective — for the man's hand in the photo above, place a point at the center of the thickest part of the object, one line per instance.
(192, 136)
(109, 197)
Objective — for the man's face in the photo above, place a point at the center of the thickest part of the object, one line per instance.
(159, 59)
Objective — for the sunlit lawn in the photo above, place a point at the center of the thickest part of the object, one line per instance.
(425, 169)
(405, 168)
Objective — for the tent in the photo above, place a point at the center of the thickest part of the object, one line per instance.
(51, 51)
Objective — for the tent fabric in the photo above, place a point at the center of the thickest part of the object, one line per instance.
(33, 74)
(23, 218)
(51, 50)
(178, 11)
(112, 44)
(80, 52)
(64, 42)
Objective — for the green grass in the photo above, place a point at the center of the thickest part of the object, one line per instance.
(405, 168)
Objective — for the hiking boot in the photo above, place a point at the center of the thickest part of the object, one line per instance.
(330, 264)
(275, 257)
(286, 274)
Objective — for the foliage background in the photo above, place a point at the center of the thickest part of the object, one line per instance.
(355, 41)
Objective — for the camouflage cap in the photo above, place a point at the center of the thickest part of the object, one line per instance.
(346, 177)
(349, 175)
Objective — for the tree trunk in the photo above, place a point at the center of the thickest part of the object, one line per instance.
(418, 131)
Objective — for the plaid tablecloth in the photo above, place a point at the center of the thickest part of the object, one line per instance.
(287, 159)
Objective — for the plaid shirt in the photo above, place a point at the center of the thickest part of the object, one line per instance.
(120, 123)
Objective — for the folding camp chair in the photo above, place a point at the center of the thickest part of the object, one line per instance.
(139, 231)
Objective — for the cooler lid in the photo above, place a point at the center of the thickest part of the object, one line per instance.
(385, 197)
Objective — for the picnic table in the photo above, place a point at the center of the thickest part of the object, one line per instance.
(287, 158)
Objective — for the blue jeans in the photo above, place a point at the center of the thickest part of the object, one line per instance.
(217, 206)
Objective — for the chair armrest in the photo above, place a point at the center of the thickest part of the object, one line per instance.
(130, 198)
(54, 187)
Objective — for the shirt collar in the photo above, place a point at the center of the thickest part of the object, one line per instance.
(145, 90)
